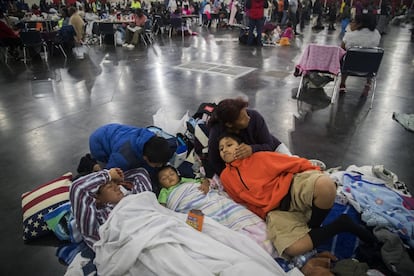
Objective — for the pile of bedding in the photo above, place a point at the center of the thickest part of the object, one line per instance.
(141, 235)
(143, 238)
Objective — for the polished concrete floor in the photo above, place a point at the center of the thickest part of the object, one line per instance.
(48, 110)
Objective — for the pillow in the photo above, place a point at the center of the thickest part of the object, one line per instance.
(40, 201)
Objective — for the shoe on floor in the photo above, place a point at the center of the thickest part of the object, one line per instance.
(130, 46)
(342, 89)
(125, 45)
(366, 90)
(382, 173)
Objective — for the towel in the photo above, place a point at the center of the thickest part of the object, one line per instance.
(325, 58)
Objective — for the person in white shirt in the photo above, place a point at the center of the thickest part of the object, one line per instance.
(363, 33)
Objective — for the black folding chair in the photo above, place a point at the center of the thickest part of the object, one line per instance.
(4, 50)
(65, 39)
(147, 35)
(32, 38)
(106, 29)
(177, 24)
(363, 62)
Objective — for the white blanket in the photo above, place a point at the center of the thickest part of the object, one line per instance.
(143, 238)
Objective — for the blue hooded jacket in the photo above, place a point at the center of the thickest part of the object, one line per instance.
(120, 146)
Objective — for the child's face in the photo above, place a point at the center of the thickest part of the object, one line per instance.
(168, 177)
(109, 193)
(227, 149)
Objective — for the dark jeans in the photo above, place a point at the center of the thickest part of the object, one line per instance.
(258, 24)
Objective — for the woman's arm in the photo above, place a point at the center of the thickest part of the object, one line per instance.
(258, 130)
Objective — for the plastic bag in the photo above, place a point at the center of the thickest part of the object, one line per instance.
(120, 36)
(80, 51)
(165, 119)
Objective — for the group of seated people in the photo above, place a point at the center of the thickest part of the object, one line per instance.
(284, 197)
(68, 27)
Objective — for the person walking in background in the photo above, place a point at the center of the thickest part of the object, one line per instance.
(285, 12)
(345, 16)
(78, 24)
(256, 20)
(332, 16)
(293, 8)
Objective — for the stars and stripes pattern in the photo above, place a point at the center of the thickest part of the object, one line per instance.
(40, 201)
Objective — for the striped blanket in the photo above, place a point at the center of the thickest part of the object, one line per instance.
(214, 204)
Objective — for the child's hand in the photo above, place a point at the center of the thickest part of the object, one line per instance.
(205, 186)
(116, 174)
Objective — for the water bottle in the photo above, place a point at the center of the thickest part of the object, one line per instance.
(301, 260)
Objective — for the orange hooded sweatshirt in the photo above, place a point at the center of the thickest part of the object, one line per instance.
(262, 180)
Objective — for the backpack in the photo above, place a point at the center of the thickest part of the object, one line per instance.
(244, 36)
(177, 145)
(197, 132)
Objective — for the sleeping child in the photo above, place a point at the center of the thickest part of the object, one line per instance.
(184, 194)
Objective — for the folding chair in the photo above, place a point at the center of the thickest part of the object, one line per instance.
(64, 39)
(147, 35)
(5, 51)
(363, 62)
(32, 38)
(106, 29)
(177, 24)
(321, 59)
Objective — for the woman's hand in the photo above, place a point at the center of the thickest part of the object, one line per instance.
(117, 175)
(243, 151)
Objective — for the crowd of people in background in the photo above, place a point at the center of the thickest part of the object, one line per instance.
(268, 21)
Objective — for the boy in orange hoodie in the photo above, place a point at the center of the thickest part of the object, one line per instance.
(289, 192)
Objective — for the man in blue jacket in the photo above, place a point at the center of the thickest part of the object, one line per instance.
(128, 147)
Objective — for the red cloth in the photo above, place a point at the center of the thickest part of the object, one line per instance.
(262, 180)
(257, 9)
(6, 31)
(326, 58)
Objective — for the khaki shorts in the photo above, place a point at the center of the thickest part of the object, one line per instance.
(286, 227)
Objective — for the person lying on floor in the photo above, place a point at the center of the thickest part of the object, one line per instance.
(95, 195)
(293, 196)
(156, 240)
(184, 194)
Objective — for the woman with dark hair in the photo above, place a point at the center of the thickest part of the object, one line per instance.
(364, 34)
(232, 115)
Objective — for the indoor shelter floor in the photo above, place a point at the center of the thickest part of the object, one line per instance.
(48, 110)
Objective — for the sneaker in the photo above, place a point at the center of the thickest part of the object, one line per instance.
(342, 89)
(382, 173)
(366, 90)
(130, 46)
(318, 163)
(125, 45)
